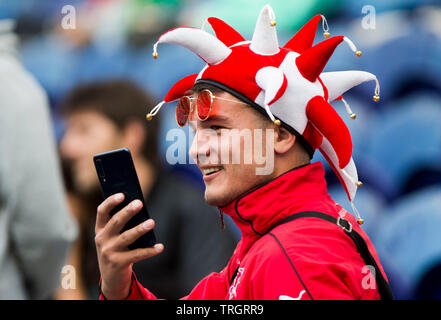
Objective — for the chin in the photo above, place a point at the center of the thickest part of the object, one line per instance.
(218, 198)
(85, 186)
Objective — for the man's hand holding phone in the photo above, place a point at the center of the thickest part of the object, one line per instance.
(114, 257)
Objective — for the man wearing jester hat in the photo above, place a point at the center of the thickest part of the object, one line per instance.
(297, 243)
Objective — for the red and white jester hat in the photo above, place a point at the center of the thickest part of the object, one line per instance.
(286, 83)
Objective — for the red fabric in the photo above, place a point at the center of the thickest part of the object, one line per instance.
(181, 88)
(313, 137)
(337, 173)
(326, 259)
(327, 121)
(224, 32)
(312, 62)
(325, 90)
(281, 90)
(304, 38)
(245, 65)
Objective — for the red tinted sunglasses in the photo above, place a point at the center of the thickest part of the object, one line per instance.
(203, 104)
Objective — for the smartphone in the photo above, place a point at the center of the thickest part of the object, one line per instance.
(117, 174)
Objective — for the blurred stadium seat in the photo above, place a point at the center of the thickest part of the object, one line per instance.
(353, 6)
(429, 287)
(407, 137)
(54, 65)
(424, 177)
(409, 235)
(100, 63)
(291, 15)
(160, 74)
(373, 176)
(402, 50)
(401, 73)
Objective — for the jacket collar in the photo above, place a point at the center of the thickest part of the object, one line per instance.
(257, 210)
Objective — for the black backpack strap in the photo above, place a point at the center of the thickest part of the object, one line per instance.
(383, 286)
(234, 275)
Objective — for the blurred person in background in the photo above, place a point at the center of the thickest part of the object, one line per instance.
(108, 115)
(36, 228)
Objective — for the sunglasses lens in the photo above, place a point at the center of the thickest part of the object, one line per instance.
(204, 101)
(183, 111)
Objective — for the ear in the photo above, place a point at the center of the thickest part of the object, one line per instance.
(283, 140)
(134, 136)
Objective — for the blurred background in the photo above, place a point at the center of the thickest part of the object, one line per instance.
(397, 141)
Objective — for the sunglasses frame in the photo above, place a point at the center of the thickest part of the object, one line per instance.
(191, 99)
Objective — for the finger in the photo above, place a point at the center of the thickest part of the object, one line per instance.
(104, 209)
(137, 255)
(128, 237)
(119, 220)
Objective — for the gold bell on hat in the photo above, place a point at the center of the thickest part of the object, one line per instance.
(353, 116)
(273, 23)
(376, 98)
(358, 53)
(149, 116)
(277, 122)
(326, 34)
(359, 184)
(155, 55)
(360, 221)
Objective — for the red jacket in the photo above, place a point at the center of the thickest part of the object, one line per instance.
(323, 261)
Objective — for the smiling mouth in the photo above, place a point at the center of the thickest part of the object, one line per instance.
(209, 171)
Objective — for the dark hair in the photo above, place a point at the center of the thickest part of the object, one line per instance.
(198, 87)
(121, 101)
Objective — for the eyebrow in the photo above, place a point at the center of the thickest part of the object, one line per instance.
(209, 120)
(215, 117)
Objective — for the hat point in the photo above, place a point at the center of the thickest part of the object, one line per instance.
(264, 41)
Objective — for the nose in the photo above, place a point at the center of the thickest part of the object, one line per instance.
(65, 146)
(200, 147)
(70, 146)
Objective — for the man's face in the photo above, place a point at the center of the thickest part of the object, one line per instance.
(225, 146)
(87, 133)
